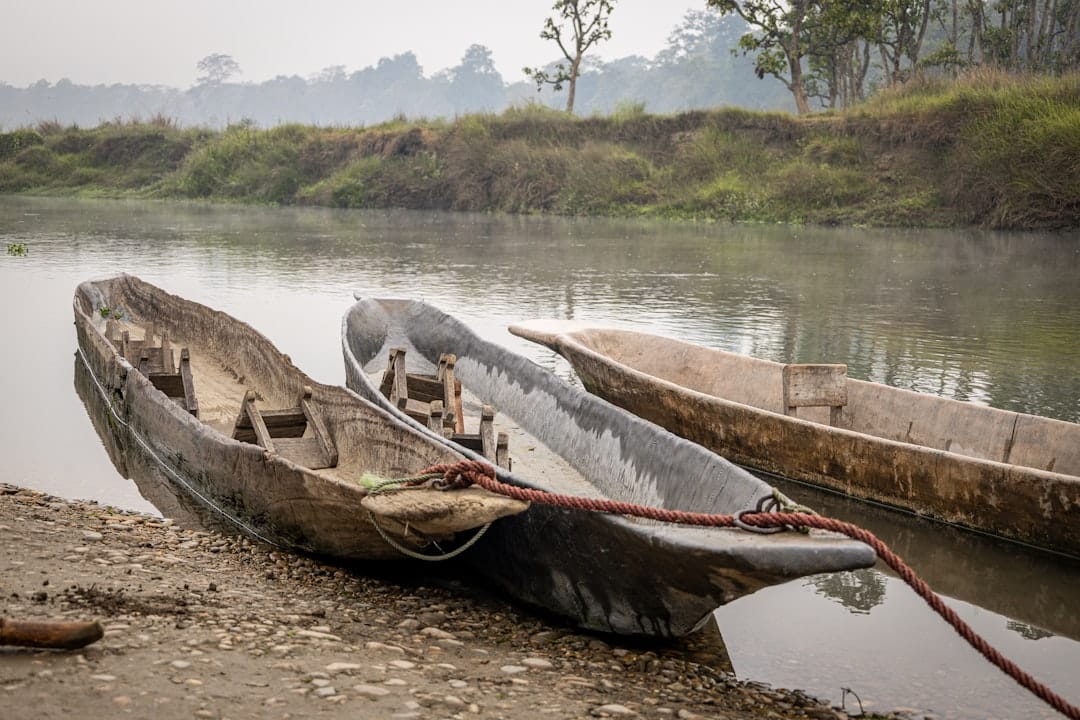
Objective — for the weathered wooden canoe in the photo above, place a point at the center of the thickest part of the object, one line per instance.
(299, 487)
(1006, 473)
(608, 573)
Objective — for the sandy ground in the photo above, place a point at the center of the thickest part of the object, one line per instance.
(207, 625)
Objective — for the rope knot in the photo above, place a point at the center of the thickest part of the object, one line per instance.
(460, 475)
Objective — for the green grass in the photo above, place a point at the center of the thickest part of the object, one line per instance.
(989, 149)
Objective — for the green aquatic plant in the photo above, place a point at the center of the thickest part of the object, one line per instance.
(114, 313)
(17, 249)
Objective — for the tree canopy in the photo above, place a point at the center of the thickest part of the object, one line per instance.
(216, 69)
(576, 26)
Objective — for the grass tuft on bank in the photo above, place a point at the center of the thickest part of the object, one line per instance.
(990, 149)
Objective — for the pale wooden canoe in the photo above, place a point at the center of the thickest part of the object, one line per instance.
(603, 572)
(1006, 473)
(291, 491)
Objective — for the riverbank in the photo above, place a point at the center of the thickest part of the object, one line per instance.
(200, 624)
(991, 149)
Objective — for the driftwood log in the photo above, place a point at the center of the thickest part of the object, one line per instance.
(59, 635)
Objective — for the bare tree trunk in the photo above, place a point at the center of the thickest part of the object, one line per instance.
(916, 48)
(1014, 31)
(954, 33)
(802, 104)
(1032, 40)
(976, 52)
(885, 65)
(1046, 29)
(794, 54)
(861, 80)
(1071, 28)
(575, 67)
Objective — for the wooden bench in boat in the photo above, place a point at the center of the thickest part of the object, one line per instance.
(283, 431)
(435, 401)
(496, 448)
(816, 386)
(178, 386)
(158, 363)
(413, 393)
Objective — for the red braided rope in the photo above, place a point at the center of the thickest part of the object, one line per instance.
(470, 472)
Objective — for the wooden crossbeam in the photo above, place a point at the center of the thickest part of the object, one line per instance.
(188, 382)
(451, 392)
(502, 451)
(487, 432)
(435, 401)
(249, 411)
(815, 386)
(318, 428)
(283, 431)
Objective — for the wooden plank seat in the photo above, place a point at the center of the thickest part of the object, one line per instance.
(816, 386)
(178, 386)
(283, 431)
(413, 393)
(157, 363)
(146, 354)
(496, 448)
(435, 401)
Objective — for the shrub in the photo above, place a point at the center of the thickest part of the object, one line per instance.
(803, 184)
(15, 142)
(37, 158)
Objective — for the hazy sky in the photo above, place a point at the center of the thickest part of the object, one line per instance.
(154, 42)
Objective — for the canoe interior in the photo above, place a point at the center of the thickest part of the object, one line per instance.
(290, 493)
(606, 572)
(562, 439)
(228, 358)
(874, 409)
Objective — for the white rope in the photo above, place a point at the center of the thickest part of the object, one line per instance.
(408, 552)
(165, 466)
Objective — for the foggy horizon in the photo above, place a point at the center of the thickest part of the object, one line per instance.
(149, 43)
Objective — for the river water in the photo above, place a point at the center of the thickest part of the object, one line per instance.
(989, 317)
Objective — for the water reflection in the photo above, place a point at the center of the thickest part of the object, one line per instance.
(860, 591)
(991, 317)
(1033, 588)
(133, 463)
(1028, 631)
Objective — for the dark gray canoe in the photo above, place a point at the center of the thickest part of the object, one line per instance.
(1009, 474)
(285, 493)
(607, 573)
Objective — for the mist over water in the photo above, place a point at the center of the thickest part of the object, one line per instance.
(988, 317)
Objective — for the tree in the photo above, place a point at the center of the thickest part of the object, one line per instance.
(475, 84)
(330, 74)
(837, 45)
(778, 37)
(900, 34)
(588, 25)
(216, 69)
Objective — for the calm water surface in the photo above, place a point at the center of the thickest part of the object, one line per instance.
(988, 317)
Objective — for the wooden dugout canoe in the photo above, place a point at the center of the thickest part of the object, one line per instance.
(1005, 473)
(300, 487)
(603, 572)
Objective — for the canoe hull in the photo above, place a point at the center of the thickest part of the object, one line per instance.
(605, 573)
(1025, 504)
(264, 493)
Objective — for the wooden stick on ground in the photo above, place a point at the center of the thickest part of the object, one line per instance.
(49, 634)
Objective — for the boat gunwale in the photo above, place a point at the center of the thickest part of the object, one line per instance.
(162, 401)
(569, 338)
(254, 487)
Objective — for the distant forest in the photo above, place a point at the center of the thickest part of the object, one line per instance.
(698, 69)
(753, 54)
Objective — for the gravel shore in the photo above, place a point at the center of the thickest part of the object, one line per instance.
(207, 625)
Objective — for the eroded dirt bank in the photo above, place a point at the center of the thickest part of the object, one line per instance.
(205, 625)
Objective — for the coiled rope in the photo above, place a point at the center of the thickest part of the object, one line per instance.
(469, 472)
